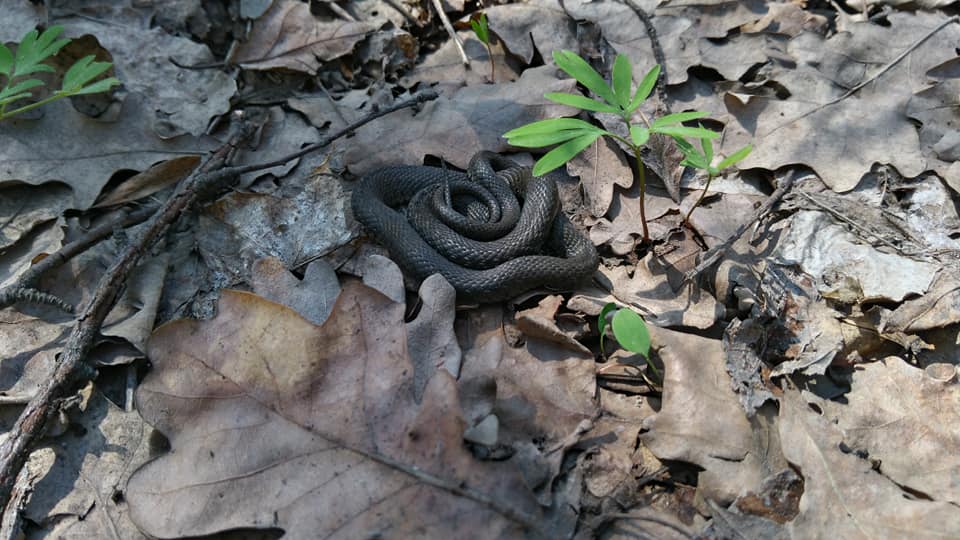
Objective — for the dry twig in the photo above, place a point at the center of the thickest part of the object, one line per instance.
(453, 33)
(713, 254)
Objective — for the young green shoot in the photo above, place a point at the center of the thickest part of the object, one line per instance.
(629, 329)
(572, 135)
(33, 49)
(480, 28)
(704, 159)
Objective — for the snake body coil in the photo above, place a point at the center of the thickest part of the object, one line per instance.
(470, 228)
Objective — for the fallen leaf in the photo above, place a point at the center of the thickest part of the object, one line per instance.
(35, 153)
(82, 491)
(843, 496)
(701, 420)
(818, 124)
(455, 127)
(906, 422)
(288, 36)
(259, 400)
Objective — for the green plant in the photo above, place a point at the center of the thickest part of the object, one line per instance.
(573, 135)
(482, 31)
(33, 49)
(629, 329)
(703, 159)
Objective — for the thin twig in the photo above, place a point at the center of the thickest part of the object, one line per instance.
(29, 279)
(873, 77)
(714, 253)
(896, 60)
(453, 33)
(396, 5)
(29, 428)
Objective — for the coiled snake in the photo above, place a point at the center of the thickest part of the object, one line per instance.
(470, 228)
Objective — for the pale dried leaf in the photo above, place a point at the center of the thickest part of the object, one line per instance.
(843, 496)
(701, 420)
(456, 127)
(179, 101)
(82, 493)
(35, 152)
(288, 36)
(905, 421)
(322, 417)
(312, 297)
(24, 207)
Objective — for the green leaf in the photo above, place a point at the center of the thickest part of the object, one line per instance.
(639, 135)
(579, 69)
(82, 72)
(684, 131)
(34, 49)
(4, 99)
(21, 87)
(6, 60)
(707, 149)
(480, 28)
(546, 139)
(563, 153)
(97, 87)
(677, 118)
(549, 125)
(646, 86)
(622, 80)
(631, 331)
(602, 322)
(739, 155)
(581, 102)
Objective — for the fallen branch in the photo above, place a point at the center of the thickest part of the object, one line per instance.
(71, 371)
(713, 254)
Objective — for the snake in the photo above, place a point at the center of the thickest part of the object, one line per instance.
(493, 232)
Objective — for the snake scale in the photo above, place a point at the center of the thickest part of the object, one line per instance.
(471, 228)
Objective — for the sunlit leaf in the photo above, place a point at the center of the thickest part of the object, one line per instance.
(563, 153)
(639, 135)
(546, 139)
(550, 124)
(6, 60)
(677, 118)
(646, 86)
(622, 80)
(684, 131)
(99, 86)
(579, 69)
(602, 322)
(739, 155)
(631, 331)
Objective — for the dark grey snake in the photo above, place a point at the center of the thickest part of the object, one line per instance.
(470, 228)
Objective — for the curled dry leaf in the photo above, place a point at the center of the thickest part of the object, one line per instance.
(258, 400)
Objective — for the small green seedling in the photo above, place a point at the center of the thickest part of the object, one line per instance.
(33, 49)
(630, 331)
(573, 135)
(480, 28)
(704, 160)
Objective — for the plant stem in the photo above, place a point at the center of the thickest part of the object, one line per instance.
(490, 54)
(25, 108)
(641, 176)
(699, 200)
